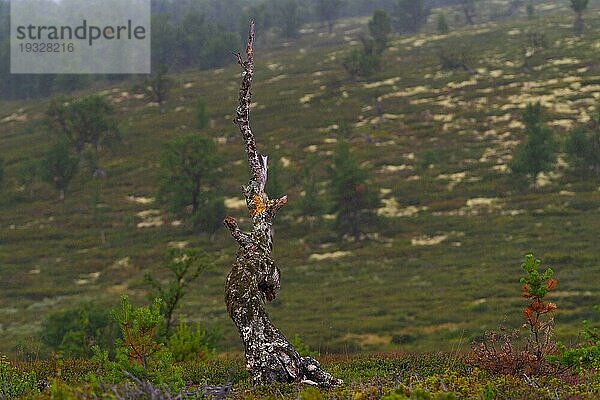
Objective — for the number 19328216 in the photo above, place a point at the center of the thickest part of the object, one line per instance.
(46, 47)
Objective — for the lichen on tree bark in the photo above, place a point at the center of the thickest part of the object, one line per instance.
(254, 277)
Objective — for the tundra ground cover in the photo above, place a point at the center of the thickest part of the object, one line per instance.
(450, 233)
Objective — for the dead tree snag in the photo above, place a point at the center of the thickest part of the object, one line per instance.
(254, 277)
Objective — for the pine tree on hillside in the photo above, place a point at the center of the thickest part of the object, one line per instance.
(538, 152)
(329, 11)
(410, 15)
(365, 61)
(311, 204)
(579, 6)
(583, 146)
(469, 9)
(189, 166)
(442, 24)
(353, 198)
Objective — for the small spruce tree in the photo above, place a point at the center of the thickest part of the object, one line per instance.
(329, 11)
(288, 17)
(579, 6)
(442, 24)
(28, 174)
(530, 9)
(469, 9)
(411, 15)
(538, 152)
(353, 199)
(201, 114)
(311, 204)
(380, 28)
(157, 86)
(583, 146)
(366, 61)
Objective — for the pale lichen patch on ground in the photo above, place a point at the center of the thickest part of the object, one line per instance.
(426, 240)
(392, 209)
(140, 199)
(328, 256)
(150, 219)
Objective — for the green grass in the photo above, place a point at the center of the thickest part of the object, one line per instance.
(397, 375)
(436, 297)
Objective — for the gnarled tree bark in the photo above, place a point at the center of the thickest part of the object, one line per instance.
(254, 277)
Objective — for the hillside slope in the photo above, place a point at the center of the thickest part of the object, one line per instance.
(442, 266)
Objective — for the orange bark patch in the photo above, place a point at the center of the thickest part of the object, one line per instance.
(259, 206)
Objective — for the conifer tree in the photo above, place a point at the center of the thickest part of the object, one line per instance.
(583, 146)
(442, 24)
(538, 152)
(579, 6)
(189, 165)
(59, 167)
(311, 204)
(411, 15)
(353, 198)
(365, 61)
(329, 10)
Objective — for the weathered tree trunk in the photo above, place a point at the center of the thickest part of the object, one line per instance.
(254, 277)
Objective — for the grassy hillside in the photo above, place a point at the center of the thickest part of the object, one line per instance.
(443, 264)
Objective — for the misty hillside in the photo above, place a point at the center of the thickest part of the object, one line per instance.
(439, 266)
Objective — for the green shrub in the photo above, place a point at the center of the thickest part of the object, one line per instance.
(586, 356)
(189, 167)
(187, 345)
(138, 353)
(442, 24)
(215, 371)
(184, 266)
(73, 332)
(302, 347)
(367, 61)
(583, 146)
(501, 352)
(70, 371)
(14, 383)
(402, 393)
(425, 159)
(353, 197)
(362, 62)
(538, 152)
(201, 115)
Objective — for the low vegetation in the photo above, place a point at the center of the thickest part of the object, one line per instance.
(438, 137)
(500, 366)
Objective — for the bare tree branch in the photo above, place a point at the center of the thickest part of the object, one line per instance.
(242, 119)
